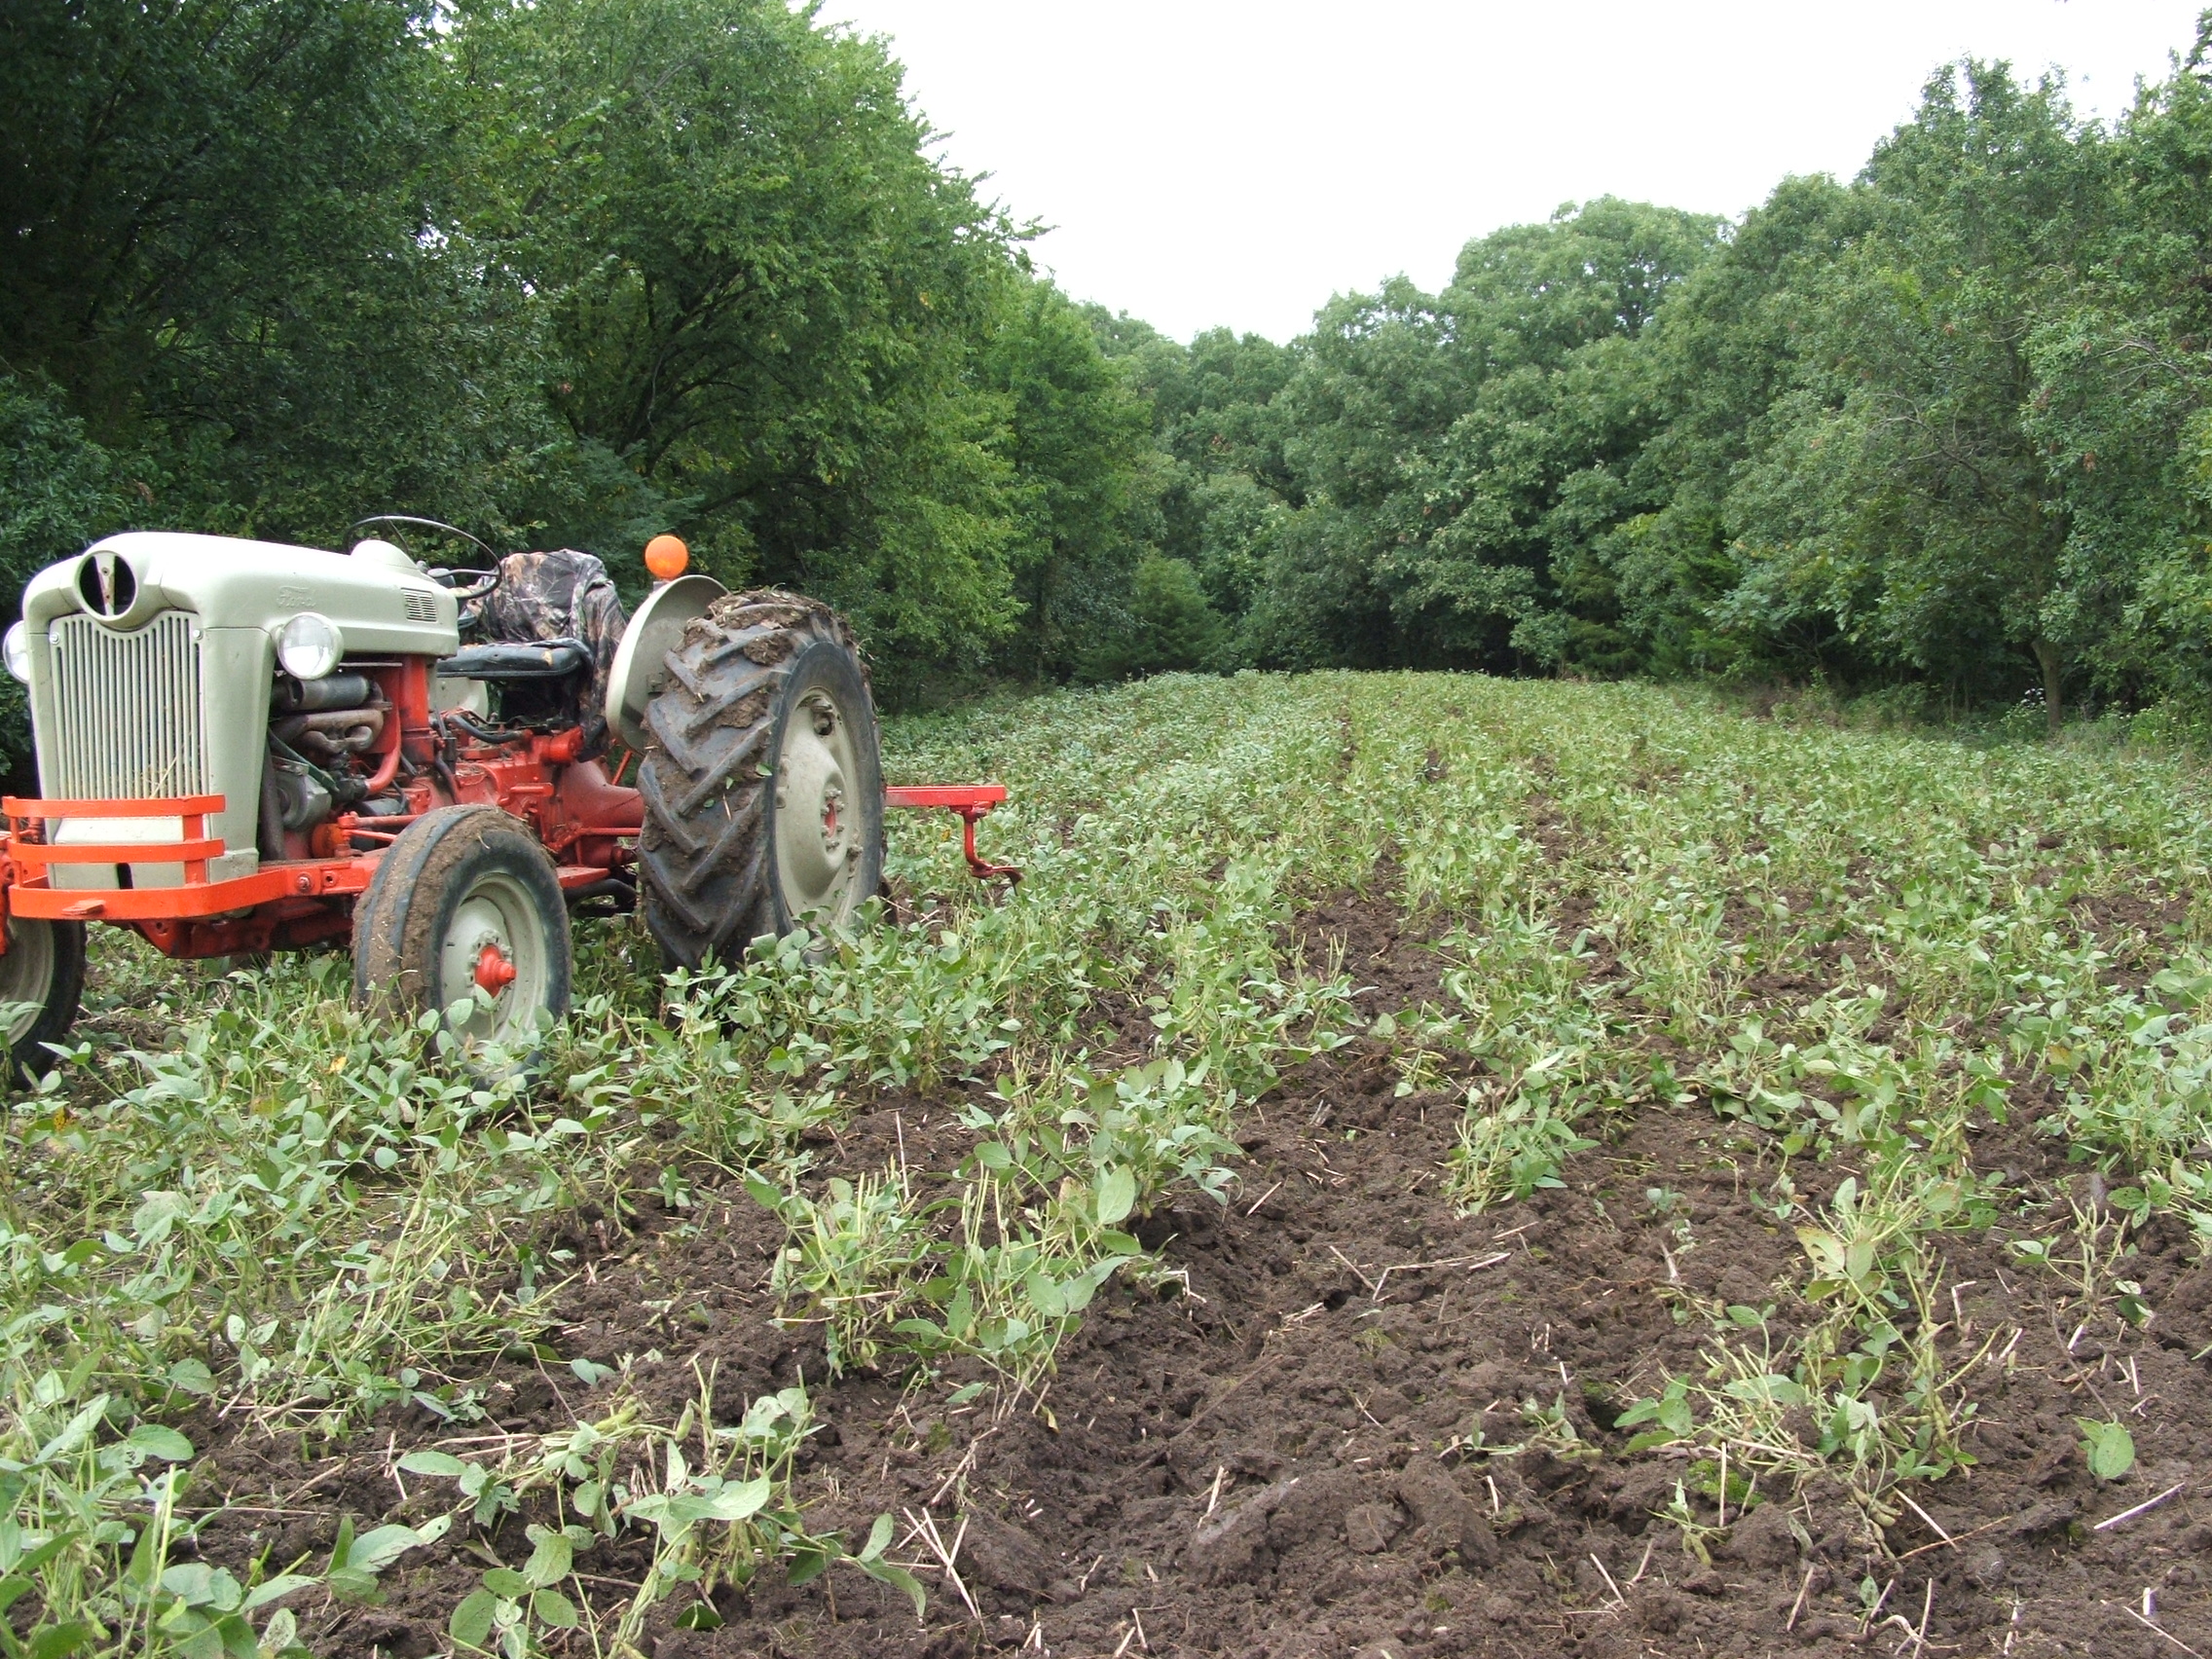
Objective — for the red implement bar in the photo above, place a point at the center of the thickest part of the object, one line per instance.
(970, 801)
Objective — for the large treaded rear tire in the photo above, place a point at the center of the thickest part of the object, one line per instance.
(763, 783)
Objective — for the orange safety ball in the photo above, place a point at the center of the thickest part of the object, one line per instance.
(666, 556)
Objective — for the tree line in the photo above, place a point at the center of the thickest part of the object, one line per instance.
(1944, 429)
(573, 272)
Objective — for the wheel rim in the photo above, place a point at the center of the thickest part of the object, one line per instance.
(26, 977)
(819, 827)
(496, 942)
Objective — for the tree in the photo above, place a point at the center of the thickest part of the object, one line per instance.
(1474, 439)
(1079, 440)
(766, 300)
(1645, 595)
(221, 239)
(1903, 484)
(1170, 626)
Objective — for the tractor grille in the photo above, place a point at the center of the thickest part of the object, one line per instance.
(421, 606)
(127, 713)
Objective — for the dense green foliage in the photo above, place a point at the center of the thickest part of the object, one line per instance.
(568, 272)
(1945, 426)
(573, 272)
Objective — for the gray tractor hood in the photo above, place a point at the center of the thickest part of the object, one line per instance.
(382, 603)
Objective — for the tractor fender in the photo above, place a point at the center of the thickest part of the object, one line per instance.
(641, 660)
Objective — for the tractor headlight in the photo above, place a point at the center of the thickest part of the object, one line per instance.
(310, 646)
(17, 649)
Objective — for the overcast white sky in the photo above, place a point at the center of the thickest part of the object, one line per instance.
(1208, 162)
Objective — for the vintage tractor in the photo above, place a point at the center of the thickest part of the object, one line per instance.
(245, 747)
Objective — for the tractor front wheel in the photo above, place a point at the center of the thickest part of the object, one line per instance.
(42, 978)
(464, 916)
(763, 783)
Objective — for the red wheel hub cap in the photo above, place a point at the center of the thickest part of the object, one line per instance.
(494, 971)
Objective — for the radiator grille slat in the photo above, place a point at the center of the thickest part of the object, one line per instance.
(126, 710)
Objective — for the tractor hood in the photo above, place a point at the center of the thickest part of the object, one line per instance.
(382, 601)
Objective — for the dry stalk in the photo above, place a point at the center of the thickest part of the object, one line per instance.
(2131, 1514)
(925, 1529)
(1930, 1518)
(2160, 1631)
(1798, 1607)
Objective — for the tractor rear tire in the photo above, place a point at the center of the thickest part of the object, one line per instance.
(763, 783)
(467, 896)
(42, 980)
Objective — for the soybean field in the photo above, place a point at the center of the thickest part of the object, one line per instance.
(1424, 1164)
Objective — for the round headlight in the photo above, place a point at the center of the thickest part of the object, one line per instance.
(16, 647)
(310, 646)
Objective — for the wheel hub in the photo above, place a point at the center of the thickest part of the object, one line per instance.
(494, 971)
(816, 834)
(493, 946)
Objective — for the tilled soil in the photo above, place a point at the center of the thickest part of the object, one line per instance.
(1278, 1447)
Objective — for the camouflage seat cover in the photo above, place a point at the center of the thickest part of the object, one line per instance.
(562, 595)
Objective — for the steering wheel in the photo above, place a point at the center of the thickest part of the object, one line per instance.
(485, 580)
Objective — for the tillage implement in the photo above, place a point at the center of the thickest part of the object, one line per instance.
(245, 747)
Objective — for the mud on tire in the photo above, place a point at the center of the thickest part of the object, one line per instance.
(762, 785)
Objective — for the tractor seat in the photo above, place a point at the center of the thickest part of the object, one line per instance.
(505, 661)
(551, 628)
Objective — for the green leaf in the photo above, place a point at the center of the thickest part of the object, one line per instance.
(878, 1539)
(75, 1432)
(699, 1615)
(1046, 1294)
(1116, 1195)
(57, 1642)
(238, 1637)
(283, 1584)
(191, 1582)
(507, 1582)
(281, 1634)
(2110, 1446)
(1775, 1389)
(739, 1501)
(429, 1463)
(158, 1442)
(191, 1377)
(899, 1578)
(548, 1563)
(375, 1550)
(590, 1373)
(551, 1608)
(471, 1621)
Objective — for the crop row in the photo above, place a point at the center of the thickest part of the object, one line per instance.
(239, 1206)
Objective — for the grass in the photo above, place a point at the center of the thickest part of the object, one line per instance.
(239, 1203)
